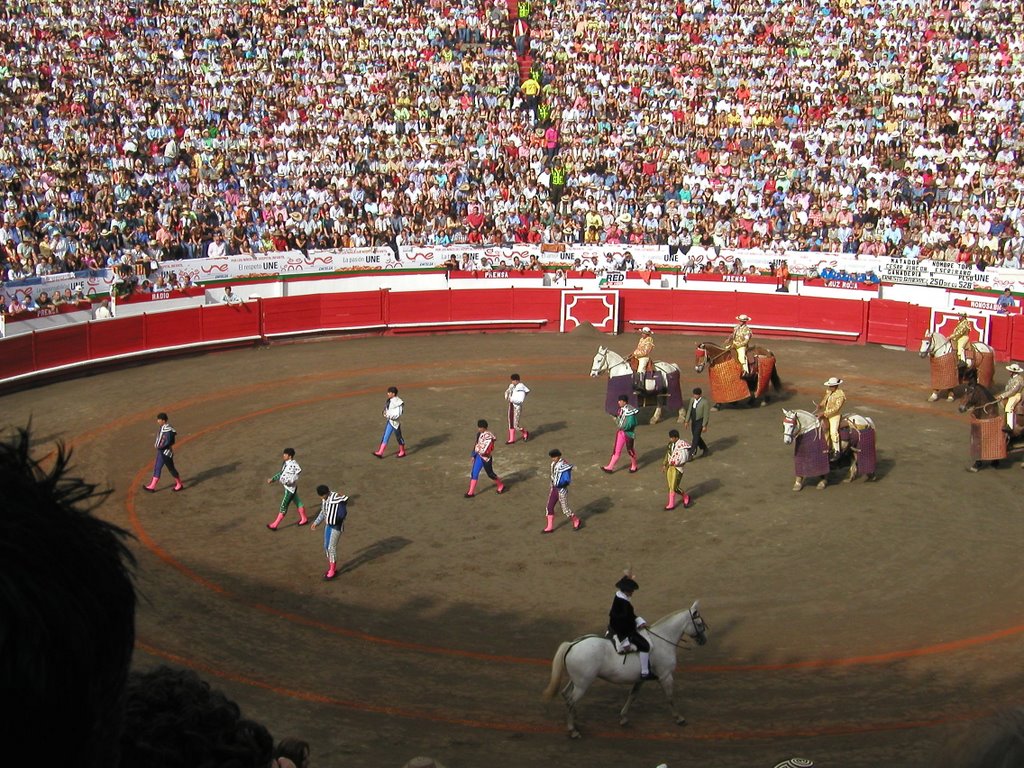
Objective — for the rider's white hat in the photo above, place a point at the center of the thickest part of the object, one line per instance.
(646, 329)
(1014, 368)
(833, 382)
(743, 318)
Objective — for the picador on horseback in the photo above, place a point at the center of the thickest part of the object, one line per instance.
(739, 341)
(960, 337)
(1011, 395)
(830, 410)
(642, 355)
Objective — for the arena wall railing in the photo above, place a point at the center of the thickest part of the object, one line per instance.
(435, 302)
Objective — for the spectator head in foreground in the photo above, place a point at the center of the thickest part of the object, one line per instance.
(994, 743)
(67, 613)
(174, 719)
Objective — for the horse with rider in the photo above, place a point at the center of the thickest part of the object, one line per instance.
(829, 437)
(631, 652)
(657, 385)
(738, 370)
(997, 420)
(957, 361)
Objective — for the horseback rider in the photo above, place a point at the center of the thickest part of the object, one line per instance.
(830, 410)
(960, 337)
(642, 354)
(624, 625)
(1012, 393)
(739, 341)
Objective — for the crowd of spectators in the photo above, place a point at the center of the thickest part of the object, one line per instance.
(134, 132)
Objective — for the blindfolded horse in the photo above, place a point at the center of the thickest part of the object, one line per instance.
(665, 392)
(948, 372)
(806, 433)
(731, 384)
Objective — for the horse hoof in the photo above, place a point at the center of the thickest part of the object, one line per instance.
(797, 487)
(574, 734)
(949, 397)
(624, 722)
(869, 479)
(821, 485)
(681, 721)
(934, 397)
(847, 479)
(764, 402)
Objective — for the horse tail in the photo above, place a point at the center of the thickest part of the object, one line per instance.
(557, 670)
(776, 381)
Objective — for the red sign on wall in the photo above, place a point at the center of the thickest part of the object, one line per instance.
(944, 322)
(599, 308)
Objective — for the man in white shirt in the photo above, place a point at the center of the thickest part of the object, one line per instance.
(515, 395)
(218, 248)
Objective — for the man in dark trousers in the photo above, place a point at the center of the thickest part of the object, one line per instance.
(625, 625)
(698, 413)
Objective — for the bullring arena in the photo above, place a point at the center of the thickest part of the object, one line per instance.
(434, 195)
(859, 625)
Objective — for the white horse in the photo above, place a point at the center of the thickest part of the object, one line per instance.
(979, 357)
(590, 657)
(798, 423)
(617, 366)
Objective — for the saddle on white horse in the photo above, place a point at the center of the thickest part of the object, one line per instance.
(856, 421)
(624, 647)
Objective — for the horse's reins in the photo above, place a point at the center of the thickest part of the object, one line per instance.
(678, 643)
(684, 638)
(986, 405)
(711, 360)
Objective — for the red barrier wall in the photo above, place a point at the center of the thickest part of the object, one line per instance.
(341, 310)
(784, 314)
(419, 307)
(61, 346)
(293, 314)
(232, 321)
(173, 329)
(538, 309)
(17, 355)
(887, 322)
(109, 339)
(1016, 338)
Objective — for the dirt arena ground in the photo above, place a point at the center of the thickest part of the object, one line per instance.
(861, 625)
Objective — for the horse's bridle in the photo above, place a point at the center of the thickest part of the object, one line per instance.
(712, 360)
(685, 638)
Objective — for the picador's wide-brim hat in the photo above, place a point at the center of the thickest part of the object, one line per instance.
(833, 382)
(1014, 368)
(626, 584)
(646, 329)
(743, 318)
